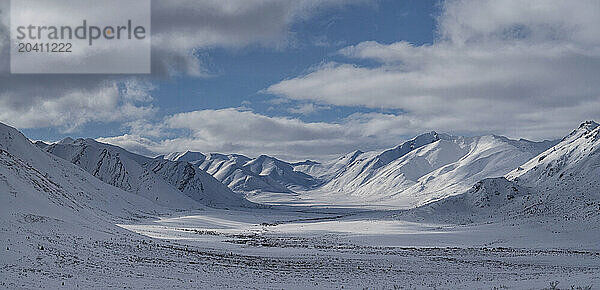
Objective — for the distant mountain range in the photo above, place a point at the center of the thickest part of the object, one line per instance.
(439, 176)
(241, 173)
(429, 167)
(154, 178)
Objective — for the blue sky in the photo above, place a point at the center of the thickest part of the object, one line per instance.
(315, 79)
(239, 74)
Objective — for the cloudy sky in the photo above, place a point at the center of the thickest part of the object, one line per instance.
(317, 78)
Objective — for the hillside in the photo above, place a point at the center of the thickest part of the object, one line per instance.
(562, 183)
(37, 185)
(156, 179)
(429, 167)
(244, 174)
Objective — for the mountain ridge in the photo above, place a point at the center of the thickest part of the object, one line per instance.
(142, 175)
(561, 183)
(428, 167)
(41, 184)
(245, 174)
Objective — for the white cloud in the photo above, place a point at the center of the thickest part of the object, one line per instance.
(179, 28)
(307, 109)
(134, 143)
(247, 132)
(277, 101)
(526, 69)
(537, 21)
(68, 109)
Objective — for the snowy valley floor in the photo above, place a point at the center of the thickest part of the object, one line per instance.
(297, 244)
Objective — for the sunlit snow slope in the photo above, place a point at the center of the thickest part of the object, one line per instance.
(562, 183)
(427, 168)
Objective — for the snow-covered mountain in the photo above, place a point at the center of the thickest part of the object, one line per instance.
(328, 170)
(38, 186)
(575, 161)
(561, 183)
(41, 144)
(244, 174)
(189, 156)
(427, 168)
(156, 179)
(55, 216)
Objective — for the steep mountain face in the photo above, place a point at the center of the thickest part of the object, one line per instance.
(562, 183)
(41, 144)
(155, 179)
(243, 174)
(430, 167)
(329, 170)
(189, 156)
(55, 216)
(574, 160)
(349, 168)
(195, 183)
(36, 187)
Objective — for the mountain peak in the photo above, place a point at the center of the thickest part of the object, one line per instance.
(584, 129)
(5, 129)
(425, 138)
(575, 155)
(219, 156)
(588, 125)
(389, 155)
(189, 156)
(433, 135)
(12, 138)
(306, 162)
(67, 140)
